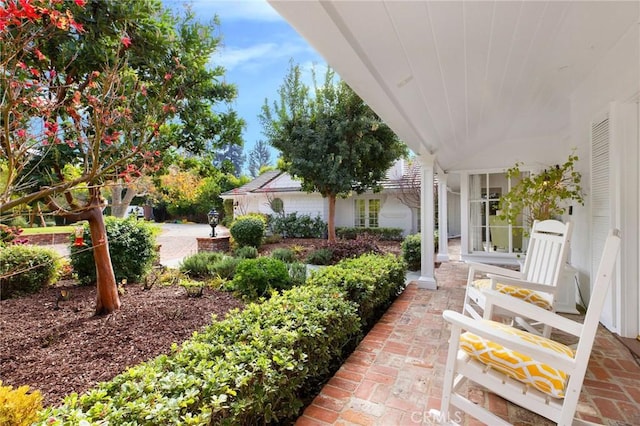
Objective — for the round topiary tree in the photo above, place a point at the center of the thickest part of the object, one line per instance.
(248, 231)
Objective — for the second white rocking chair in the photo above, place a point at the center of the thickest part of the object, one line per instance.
(537, 283)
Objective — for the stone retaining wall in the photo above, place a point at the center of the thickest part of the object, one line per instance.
(48, 239)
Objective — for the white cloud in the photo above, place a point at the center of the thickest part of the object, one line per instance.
(255, 56)
(230, 10)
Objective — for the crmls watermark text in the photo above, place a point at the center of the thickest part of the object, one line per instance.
(435, 417)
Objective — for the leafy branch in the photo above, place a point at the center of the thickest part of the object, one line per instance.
(542, 196)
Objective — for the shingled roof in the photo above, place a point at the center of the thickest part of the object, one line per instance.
(410, 177)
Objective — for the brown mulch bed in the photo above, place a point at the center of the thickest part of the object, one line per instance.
(65, 349)
(59, 351)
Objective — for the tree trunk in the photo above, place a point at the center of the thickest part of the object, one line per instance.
(107, 300)
(120, 203)
(331, 225)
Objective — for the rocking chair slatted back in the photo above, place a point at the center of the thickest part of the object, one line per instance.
(547, 251)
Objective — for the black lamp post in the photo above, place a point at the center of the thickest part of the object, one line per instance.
(213, 221)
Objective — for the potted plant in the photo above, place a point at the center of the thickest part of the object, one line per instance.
(541, 196)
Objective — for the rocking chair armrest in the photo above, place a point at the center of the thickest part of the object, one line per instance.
(528, 310)
(517, 282)
(480, 328)
(493, 269)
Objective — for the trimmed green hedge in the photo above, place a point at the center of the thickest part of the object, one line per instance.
(384, 234)
(257, 366)
(294, 226)
(371, 281)
(411, 251)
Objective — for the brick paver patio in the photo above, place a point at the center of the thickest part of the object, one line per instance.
(395, 375)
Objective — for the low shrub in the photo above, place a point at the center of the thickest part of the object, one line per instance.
(371, 281)
(17, 407)
(132, 247)
(246, 252)
(384, 234)
(19, 222)
(26, 269)
(248, 231)
(285, 254)
(346, 249)
(193, 288)
(170, 276)
(297, 273)
(255, 278)
(321, 256)
(226, 267)
(272, 239)
(411, 251)
(200, 265)
(254, 367)
(294, 226)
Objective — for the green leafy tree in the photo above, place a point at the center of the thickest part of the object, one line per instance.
(103, 86)
(543, 195)
(329, 138)
(259, 159)
(232, 155)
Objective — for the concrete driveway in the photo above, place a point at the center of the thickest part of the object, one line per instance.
(178, 240)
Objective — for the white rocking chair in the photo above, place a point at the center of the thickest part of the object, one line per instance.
(536, 373)
(536, 283)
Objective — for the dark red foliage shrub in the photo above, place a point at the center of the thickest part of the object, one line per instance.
(345, 249)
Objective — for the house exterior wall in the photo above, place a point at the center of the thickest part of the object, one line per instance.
(393, 214)
(612, 89)
(299, 202)
(345, 212)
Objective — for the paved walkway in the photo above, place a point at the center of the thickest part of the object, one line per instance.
(395, 375)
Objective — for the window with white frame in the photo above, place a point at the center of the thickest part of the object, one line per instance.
(367, 213)
(487, 232)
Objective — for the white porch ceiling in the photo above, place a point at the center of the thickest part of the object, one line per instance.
(477, 84)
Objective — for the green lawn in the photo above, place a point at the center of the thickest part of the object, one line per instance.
(48, 230)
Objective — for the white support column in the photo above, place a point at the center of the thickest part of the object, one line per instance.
(443, 224)
(427, 278)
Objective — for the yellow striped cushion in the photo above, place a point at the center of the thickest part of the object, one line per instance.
(531, 296)
(516, 365)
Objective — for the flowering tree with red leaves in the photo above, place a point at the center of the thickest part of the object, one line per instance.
(92, 92)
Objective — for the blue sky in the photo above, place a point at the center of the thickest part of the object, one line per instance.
(257, 45)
